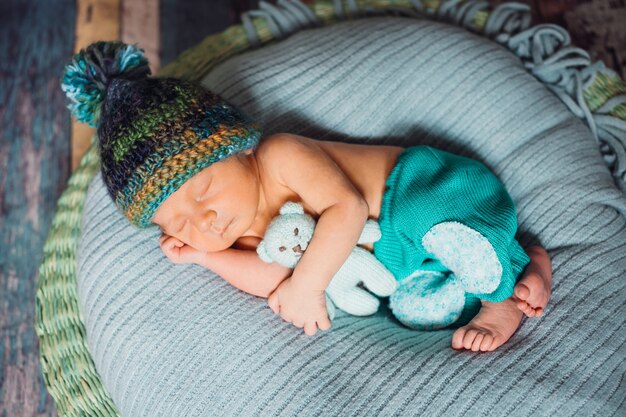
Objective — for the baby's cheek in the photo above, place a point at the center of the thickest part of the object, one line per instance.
(210, 243)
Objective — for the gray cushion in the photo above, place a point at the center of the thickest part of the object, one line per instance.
(177, 340)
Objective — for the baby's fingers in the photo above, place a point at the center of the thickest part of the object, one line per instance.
(168, 242)
(175, 243)
(165, 242)
(272, 301)
(324, 324)
(310, 328)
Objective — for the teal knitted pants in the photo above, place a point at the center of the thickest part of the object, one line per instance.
(429, 186)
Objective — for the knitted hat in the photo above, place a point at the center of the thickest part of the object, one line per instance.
(154, 133)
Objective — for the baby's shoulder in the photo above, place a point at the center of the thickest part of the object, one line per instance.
(278, 144)
(281, 155)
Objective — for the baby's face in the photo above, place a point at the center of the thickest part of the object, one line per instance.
(215, 207)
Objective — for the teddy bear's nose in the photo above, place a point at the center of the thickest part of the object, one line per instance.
(297, 249)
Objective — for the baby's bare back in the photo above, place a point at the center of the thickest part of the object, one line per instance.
(367, 166)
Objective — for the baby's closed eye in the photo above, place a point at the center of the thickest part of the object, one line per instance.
(182, 226)
(203, 192)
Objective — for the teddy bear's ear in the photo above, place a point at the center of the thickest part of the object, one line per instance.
(291, 207)
(261, 249)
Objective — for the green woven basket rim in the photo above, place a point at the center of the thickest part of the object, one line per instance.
(67, 366)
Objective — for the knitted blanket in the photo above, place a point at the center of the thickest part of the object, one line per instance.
(177, 340)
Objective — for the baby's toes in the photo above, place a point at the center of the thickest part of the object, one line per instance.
(474, 339)
(532, 289)
(529, 310)
(541, 299)
(486, 343)
(535, 312)
(521, 304)
(457, 338)
(477, 341)
(521, 291)
(469, 338)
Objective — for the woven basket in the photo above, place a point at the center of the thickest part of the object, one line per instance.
(68, 369)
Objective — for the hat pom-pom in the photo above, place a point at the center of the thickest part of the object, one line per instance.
(87, 77)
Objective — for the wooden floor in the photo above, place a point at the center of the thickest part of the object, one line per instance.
(37, 38)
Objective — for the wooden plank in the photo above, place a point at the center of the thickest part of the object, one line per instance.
(95, 20)
(37, 38)
(184, 23)
(140, 25)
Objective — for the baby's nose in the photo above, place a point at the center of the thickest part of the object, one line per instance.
(205, 222)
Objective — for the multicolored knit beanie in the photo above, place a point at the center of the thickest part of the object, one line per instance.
(153, 133)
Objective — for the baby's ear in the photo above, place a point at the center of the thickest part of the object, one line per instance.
(291, 207)
(261, 249)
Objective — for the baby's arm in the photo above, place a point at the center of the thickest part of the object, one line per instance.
(245, 270)
(242, 269)
(307, 170)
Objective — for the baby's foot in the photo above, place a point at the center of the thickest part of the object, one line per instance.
(532, 292)
(494, 324)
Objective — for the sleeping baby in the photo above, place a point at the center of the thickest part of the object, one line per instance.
(178, 156)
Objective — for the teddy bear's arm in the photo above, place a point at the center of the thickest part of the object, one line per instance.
(371, 232)
(244, 269)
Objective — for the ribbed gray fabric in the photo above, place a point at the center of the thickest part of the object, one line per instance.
(177, 340)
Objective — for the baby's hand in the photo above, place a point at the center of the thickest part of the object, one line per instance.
(303, 307)
(179, 252)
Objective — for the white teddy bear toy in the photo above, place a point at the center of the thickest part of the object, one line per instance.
(288, 236)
